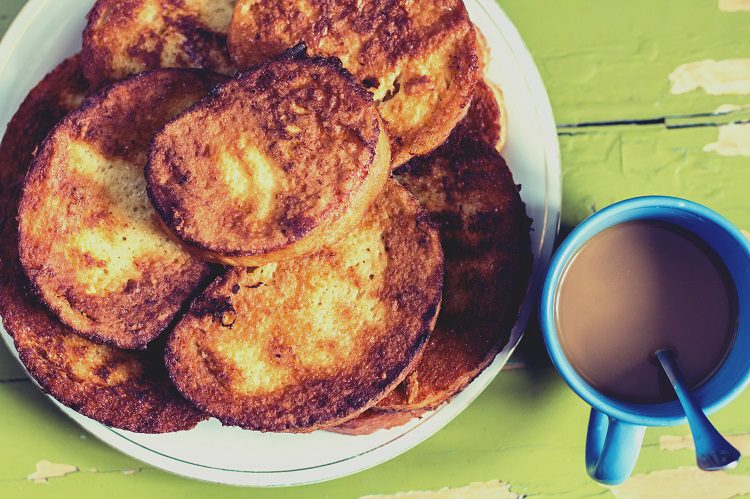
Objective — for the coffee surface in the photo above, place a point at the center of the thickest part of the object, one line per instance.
(638, 287)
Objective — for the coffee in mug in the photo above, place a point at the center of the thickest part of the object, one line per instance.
(637, 287)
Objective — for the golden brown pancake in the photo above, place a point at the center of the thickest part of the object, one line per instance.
(89, 238)
(485, 56)
(310, 342)
(125, 37)
(470, 193)
(121, 389)
(419, 58)
(279, 162)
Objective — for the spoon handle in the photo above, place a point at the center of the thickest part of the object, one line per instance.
(712, 450)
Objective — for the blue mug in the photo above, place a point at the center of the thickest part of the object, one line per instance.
(616, 428)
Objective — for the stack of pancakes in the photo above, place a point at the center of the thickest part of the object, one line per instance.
(283, 214)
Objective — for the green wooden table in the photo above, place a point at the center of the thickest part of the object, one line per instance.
(625, 130)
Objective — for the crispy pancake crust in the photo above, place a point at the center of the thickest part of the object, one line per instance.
(485, 120)
(89, 239)
(125, 37)
(279, 162)
(373, 420)
(311, 342)
(121, 389)
(419, 58)
(469, 192)
(485, 56)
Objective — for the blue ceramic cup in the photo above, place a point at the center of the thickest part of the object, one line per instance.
(616, 428)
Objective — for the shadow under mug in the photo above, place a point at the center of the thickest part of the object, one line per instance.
(616, 428)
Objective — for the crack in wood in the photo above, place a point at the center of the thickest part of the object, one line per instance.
(668, 122)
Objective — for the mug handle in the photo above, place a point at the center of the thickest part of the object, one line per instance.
(612, 448)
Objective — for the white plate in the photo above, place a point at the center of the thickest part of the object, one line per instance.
(46, 31)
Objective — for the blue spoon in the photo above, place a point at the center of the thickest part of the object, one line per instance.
(712, 451)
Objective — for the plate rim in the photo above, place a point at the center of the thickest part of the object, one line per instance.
(401, 443)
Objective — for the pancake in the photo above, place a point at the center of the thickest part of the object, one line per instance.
(310, 342)
(121, 389)
(419, 58)
(486, 119)
(470, 193)
(89, 241)
(279, 162)
(125, 37)
(485, 56)
(373, 420)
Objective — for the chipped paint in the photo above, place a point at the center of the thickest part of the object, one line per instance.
(131, 472)
(747, 233)
(726, 77)
(734, 5)
(734, 140)
(47, 469)
(672, 442)
(494, 489)
(687, 481)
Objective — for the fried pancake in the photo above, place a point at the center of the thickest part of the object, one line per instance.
(485, 121)
(484, 50)
(310, 342)
(469, 192)
(373, 420)
(279, 162)
(419, 58)
(125, 37)
(89, 239)
(121, 389)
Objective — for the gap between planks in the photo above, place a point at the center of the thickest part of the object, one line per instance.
(669, 122)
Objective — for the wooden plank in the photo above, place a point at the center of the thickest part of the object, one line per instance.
(527, 429)
(607, 164)
(609, 60)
